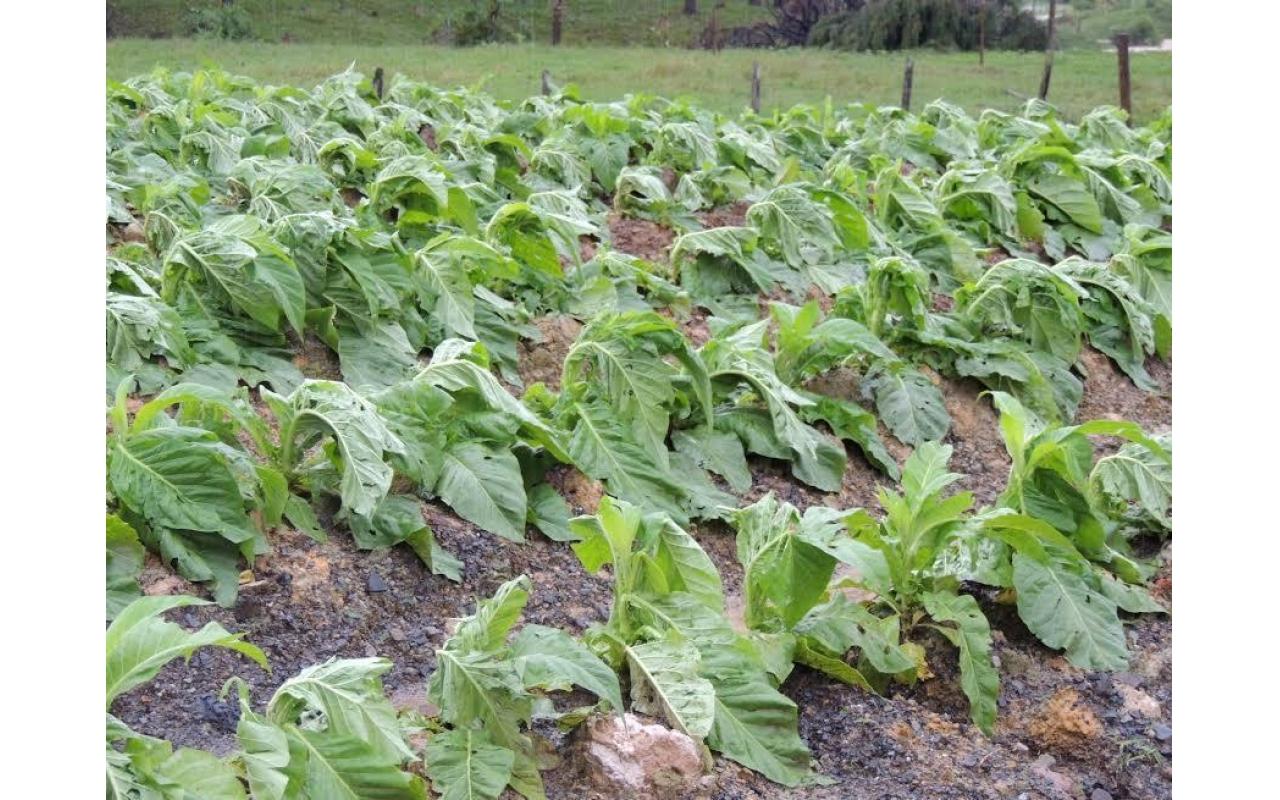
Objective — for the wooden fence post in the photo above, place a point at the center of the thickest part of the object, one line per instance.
(546, 82)
(982, 33)
(755, 86)
(1048, 74)
(1048, 52)
(908, 73)
(377, 82)
(1122, 62)
(557, 20)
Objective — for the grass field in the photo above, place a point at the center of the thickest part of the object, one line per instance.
(1081, 79)
(601, 22)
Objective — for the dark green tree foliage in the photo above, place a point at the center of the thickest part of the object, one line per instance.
(220, 21)
(942, 24)
(486, 24)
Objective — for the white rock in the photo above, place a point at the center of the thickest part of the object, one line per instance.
(628, 757)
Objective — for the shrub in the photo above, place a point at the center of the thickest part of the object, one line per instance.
(943, 24)
(229, 22)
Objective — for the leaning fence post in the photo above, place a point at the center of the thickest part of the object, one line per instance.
(1048, 51)
(982, 33)
(755, 86)
(907, 74)
(546, 82)
(1122, 63)
(377, 82)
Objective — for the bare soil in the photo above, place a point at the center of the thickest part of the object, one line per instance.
(640, 237)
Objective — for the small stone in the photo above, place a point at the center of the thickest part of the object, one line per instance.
(396, 634)
(1100, 794)
(1163, 732)
(376, 583)
(969, 761)
(1128, 679)
(1138, 702)
(1019, 747)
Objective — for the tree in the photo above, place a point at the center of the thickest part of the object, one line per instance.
(691, 7)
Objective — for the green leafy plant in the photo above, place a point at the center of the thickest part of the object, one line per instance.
(1054, 478)
(328, 731)
(139, 644)
(912, 593)
(685, 663)
(486, 688)
(182, 489)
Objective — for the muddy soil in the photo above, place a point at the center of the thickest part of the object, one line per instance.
(543, 360)
(725, 216)
(640, 237)
(1062, 733)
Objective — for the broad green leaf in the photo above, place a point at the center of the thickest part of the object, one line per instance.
(255, 275)
(831, 666)
(265, 754)
(201, 774)
(549, 513)
(483, 485)
(125, 555)
(908, 402)
(140, 643)
(348, 692)
(339, 767)
(972, 635)
(850, 421)
(1070, 196)
(789, 218)
(549, 658)
(605, 450)
(1137, 475)
(466, 765)
(665, 683)
(755, 725)
(179, 477)
(717, 451)
(319, 409)
(685, 565)
(1065, 613)
(302, 517)
(451, 370)
(377, 357)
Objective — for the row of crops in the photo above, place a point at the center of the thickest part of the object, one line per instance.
(416, 238)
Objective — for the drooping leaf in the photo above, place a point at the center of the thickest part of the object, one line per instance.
(467, 765)
(348, 692)
(125, 555)
(140, 643)
(1065, 613)
(908, 402)
(549, 658)
(972, 635)
(665, 684)
(317, 409)
(483, 485)
(755, 725)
